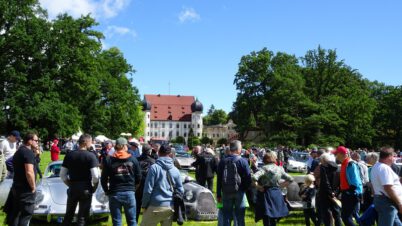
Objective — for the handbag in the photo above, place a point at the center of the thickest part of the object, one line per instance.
(179, 214)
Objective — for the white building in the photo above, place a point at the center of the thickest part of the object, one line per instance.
(169, 116)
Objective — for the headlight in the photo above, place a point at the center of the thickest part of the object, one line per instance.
(39, 196)
(101, 197)
(188, 195)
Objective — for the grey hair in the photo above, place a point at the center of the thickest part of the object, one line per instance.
(372, 155)
(147, 149)
(235, 145)
(325, 157)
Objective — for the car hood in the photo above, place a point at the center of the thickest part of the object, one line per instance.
(185, 161)
(57, 190)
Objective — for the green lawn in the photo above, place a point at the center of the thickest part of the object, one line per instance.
(295, 219)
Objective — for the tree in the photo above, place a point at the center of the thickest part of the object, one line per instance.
(205, 140)
(179, 140)
(215, 117)
(222, 141)
(56, 79)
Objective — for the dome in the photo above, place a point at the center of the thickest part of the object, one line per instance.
(197, 106)
(146, 106)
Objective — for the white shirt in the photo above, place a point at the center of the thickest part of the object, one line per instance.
(382, 174)
(8, 149)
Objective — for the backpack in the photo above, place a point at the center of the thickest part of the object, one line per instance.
(145, 165)
(360, 170)
(231, 177)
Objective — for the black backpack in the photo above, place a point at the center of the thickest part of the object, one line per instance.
(145, 165)
(231, 177)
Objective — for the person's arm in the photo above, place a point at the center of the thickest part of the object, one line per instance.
(64, 177)
(30, 174)
(138, 174)
(288, 179)
(389, 189)
(219, 180)
(105, 179)
(353, 176)
(148, 187)
(95, 174)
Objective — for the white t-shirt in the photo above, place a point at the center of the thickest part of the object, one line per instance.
(382, 174)
(8, 149)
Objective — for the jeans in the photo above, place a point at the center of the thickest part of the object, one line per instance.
(23, 208)
(350, 206)
(207, 183)
(125, 199)
(238, 205)
(387, 212)
(220, 218)
(83, 197)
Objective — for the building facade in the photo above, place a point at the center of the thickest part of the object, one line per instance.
(169, 116)
(216, 132)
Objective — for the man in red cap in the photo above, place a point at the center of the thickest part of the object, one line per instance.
(350, 185)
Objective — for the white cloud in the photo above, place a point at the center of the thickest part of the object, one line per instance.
(188, 14)
(116, 30)
(76, 8)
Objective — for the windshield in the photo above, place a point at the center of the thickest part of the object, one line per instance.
(183, 154)
(53, 170)
(300, 157)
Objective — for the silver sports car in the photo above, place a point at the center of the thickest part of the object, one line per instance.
(51, 197)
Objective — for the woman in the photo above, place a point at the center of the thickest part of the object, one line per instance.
(270, 204)
(55, 151)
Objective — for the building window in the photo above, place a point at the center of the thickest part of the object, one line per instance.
(152, 125)
(163, 134)
(198, 134)
(155, 134)
(148, 124)
(217, 135)
(163, 125)
(185, 134)
(185, 126)
(148, 115)
(170, 125)
(177, 133)
(198, 126)
(148, 133)
(213, 135)
(177, 125)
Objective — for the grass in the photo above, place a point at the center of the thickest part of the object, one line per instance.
(295, 218)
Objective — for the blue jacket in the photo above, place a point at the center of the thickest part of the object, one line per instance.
(157, 190)
(242, 168)
(353, 176)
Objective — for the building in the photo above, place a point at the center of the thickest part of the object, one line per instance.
(169, 116)
(216, 132)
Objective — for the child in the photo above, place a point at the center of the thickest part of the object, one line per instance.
(307, 194)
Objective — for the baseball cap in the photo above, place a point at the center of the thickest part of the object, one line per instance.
(121, 141)
(340, 150)
(16, 134)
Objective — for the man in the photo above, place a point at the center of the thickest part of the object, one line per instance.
(206, 165)
(80, 173)
(7, 149)
(362, 167)
(121, 174)
(350, 185)
(146, 161)
(155, 150)
(327, 192)
(314, 162)
(157, 199)
(196, 152)
(233, 199)
(387, 189)
(23, 188)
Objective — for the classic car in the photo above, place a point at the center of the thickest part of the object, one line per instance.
(185, 160)
(297, 162)
(51, 197)
(200, 203)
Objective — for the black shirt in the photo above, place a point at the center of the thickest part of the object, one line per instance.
(21, 157)
(79, 164)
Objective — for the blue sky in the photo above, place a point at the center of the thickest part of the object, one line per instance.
(196, 45)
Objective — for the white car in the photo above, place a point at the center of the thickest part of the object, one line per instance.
(297, 162)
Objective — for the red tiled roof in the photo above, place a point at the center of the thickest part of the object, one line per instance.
(169, 107)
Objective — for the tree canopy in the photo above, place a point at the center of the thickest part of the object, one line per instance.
(57, 79)
(215, 117)
(315, 99)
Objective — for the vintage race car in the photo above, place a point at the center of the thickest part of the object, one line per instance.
(51, 197)
(200, 203)
(185, 160)
(297, 162)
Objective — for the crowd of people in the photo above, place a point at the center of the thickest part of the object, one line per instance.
(341, 185)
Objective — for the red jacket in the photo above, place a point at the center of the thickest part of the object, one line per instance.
(54, 152)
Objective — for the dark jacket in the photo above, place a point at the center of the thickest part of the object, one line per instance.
(242, 168)
(206, 165)
(328, 179)
(145, 161)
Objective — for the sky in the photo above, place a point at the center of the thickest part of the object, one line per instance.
(193, 47)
